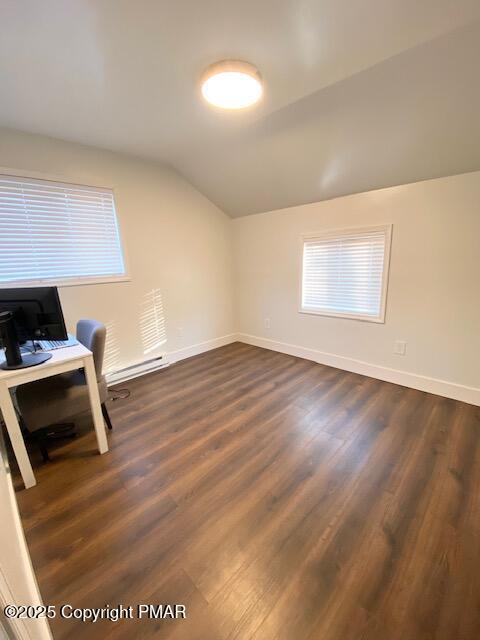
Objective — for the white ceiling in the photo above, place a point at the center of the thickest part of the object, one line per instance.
(360, 94)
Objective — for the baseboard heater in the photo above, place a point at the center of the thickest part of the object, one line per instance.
(136, 370)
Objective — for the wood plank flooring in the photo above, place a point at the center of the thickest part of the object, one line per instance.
(276, 498)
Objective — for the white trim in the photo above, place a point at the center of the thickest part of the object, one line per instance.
(201, 347)
(16, 625)
(55, 282)
(48, 177)
(4, 634)
(18, 583)
(348, 316)
(444, 388)
(324, 233)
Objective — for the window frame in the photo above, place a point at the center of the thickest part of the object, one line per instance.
(319, 235)
(75, 281)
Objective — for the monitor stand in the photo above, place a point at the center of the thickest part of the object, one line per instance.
(28, 360)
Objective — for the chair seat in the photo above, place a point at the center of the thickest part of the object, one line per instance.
(56, 399)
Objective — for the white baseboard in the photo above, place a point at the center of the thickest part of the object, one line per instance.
(471, 395)
(201, 347)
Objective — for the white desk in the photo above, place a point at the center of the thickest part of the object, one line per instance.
(62, 360)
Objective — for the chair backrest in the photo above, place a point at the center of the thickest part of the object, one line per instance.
(92, 334)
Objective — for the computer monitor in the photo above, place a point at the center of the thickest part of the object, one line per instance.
(37, 313)
(32, 313)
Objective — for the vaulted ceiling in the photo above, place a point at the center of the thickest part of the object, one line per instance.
(359, 94)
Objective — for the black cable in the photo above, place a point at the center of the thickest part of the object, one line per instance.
(30, 349)
(119, 394)
(27, 349)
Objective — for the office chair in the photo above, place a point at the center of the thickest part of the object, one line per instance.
(45, 404)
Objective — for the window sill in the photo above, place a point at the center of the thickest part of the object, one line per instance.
(347, 316)
(73, 282)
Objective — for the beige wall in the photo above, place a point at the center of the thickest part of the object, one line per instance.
(434, 290)
(180, 245)
(176, 241)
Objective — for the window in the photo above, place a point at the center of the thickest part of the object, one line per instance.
(51, 232)
(345, 272)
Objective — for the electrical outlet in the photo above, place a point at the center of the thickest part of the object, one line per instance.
(266, 323)
(180, 332)
(400, 348)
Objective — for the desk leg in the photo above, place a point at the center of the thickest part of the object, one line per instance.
(16, 438)
(95, 404)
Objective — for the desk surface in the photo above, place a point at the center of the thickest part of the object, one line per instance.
(60, 358)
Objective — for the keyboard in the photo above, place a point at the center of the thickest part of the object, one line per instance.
(50, 345)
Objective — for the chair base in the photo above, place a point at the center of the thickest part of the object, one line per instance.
(58, 431)
(52, 432)
(106, 417)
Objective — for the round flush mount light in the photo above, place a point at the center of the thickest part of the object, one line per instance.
(232, 84)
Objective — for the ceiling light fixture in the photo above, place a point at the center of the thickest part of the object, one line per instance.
(232, 84)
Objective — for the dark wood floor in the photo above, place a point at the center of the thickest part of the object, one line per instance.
(276, 498)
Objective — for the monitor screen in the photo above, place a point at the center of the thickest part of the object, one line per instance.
(37, 313)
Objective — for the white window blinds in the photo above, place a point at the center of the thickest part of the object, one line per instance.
(58, 233)
(345, 273)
